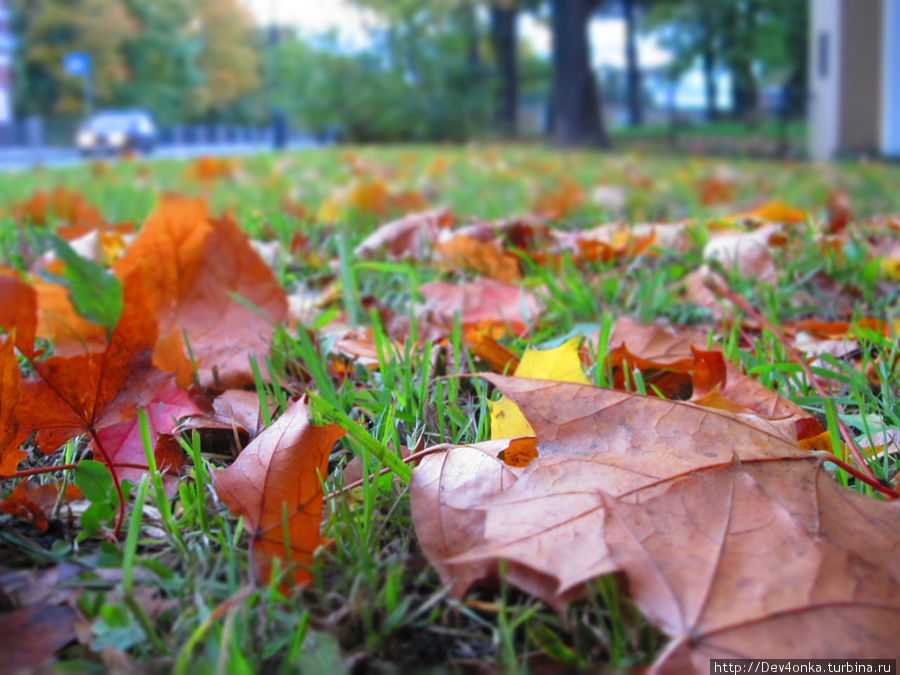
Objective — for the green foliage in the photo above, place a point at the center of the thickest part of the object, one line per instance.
(96, 482)
(95, 292)
(181, 59)
(423, 78)
(163, 59)
(50, 29)
(759, 42)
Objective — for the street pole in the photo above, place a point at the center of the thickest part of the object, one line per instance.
(89, 93)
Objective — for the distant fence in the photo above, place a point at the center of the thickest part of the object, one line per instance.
(35, 133)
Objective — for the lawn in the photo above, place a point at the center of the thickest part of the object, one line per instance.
(764, 292)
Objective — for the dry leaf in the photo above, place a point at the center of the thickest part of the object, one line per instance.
(18, 312)
(480, 303)
(549, 523)
(560, 363)
(70, 395)
(192, 265)
(276, 482)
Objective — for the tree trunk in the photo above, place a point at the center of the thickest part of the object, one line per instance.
(743, 82)
(576, 98)
(632, 67)
(505, 40)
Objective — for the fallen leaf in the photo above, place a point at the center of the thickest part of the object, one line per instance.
(560, 200)
(277, 481)
(560, 363)
(59, 323)
(193, 266)
(59, 206)
(95, 293)
(123, 443)
(712, 370)
(480, 303)
(409, 237)
(768, 558)
(18, 312)
(209, 169)
(840, 211)
(370, 196)
(446, 491)
(500, 358)
(34, 503)
(734, 541)
(775, 212)
(486, 258)
(747, 253)
(240, 407)
(32, 635)
(10, 392)
(547, 519)
(70, 395)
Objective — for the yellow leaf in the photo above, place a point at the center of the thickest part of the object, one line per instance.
(561, 364)
(774, 212)
(890, 268)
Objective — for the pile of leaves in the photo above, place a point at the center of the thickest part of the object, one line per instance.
(185, 362)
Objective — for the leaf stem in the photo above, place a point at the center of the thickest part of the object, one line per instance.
(120, 516)
(856, 473)
(69, 467)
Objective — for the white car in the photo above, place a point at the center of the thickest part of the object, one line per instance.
(115, 131)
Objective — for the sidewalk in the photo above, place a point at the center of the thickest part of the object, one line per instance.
(21, 158)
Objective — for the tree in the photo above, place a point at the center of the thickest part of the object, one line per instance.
(756, 41)
(49, 30)
(229, 57)
(504, 39)
(632, 67)
(692, 31)
(178, 58)
(575, 93)
(739, 35)
(163, 59)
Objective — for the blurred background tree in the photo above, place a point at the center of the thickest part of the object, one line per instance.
(49, 30)
(428, 70)
(181, 59)
(756, 42)
(164, 59)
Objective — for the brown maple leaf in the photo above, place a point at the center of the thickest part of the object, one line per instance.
(276, 484)
(409, 237)
(769, 558)
(668, 491)
(483, 303)
(591, 441)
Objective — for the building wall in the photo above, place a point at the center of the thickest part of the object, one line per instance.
(847, 72)
(861, 75)
(824, 77)
(890, 117)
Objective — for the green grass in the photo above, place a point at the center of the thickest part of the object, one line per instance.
(176, 594)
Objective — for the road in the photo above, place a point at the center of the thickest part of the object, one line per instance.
(19, 159)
